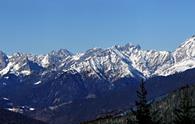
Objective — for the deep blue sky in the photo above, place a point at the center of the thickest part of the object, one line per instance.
(39, 26)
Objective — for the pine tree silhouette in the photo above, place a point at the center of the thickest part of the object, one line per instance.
(186, 111)
(142, 112)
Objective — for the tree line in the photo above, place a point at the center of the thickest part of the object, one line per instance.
(183, 114)
(142, 113)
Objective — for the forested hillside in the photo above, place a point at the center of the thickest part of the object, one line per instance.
(167, 109)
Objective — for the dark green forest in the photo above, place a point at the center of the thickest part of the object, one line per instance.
(177, 107)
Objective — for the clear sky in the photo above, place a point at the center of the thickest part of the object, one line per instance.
(39, 26)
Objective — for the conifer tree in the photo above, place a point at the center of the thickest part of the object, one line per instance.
(142, 112)
(186, 111)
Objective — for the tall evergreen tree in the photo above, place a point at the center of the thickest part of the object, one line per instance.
(185, 114)
(142, 112)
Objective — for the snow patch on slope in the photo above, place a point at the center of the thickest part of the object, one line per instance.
(37, 83)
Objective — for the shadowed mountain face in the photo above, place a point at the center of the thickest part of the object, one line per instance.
(119, 99)
(7, 117)
(66, 98)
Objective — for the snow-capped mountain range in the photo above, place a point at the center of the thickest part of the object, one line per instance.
(109, 64)
(49, 87)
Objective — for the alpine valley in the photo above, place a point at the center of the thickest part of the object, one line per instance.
(65, 88)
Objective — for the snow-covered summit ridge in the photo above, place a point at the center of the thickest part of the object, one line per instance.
(109, 64)
(186, 50)
(184, 58)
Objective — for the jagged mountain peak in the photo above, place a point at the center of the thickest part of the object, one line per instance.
(183, 58)
(54, 58)
(110, 63)
(61, 52)
(188, 42)
(1, 52)
(94, 51)
(128, 46)
(3, 60)
(185, 51)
